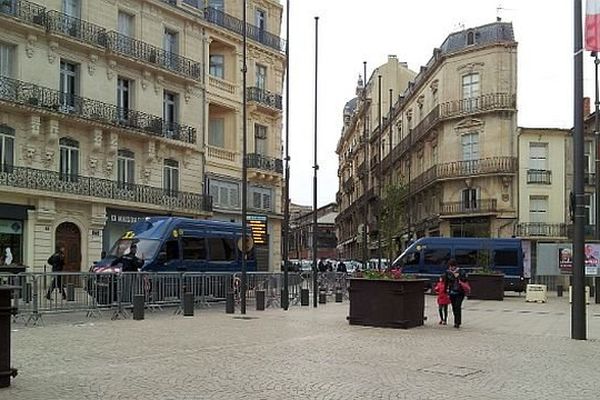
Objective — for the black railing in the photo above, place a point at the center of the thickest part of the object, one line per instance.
(19, 92)
(476, 206)
(66, 25)
(25, 11)
(130, 47)
(52, 181)
(236, 25)
(265, 97)
(539, 176)
(528, 229)
(258, 161)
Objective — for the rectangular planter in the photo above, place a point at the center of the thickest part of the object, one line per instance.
(387, 303)
(486, 286)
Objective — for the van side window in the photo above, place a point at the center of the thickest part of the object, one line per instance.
(221, 249)
(465, 257)
(172, 250)
(506, 258)
(193, 248)
(437, 256)
(413, 258)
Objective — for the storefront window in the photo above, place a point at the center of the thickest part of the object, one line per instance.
(11, 237)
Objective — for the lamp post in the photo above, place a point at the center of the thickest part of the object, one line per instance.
(285, 302)
(367, 170)
(379, 175)
(316, 168)
(244, 160)
(597, 140)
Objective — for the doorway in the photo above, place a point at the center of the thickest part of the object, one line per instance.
(68, 236)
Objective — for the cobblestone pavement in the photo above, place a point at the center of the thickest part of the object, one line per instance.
(505, 350)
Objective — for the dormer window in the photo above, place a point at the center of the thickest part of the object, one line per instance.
(470, 38)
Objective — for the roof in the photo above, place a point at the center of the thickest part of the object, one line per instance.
(350, 106)
(327, 218)
(495, 32)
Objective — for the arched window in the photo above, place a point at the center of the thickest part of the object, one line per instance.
(7, 148)
(69, 159)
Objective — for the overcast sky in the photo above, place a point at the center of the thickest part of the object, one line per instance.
(353, 31)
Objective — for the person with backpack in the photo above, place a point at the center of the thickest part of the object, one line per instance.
(57, 261)
(458, 288)
(443, 299)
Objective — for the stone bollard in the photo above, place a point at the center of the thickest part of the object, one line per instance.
(304, 297)
(559, 290)
(188, 304)
(260, 300)
(6, 372)
(70, 292)
(322, 297)
(339, 296)
(138, 307)
(230, 303)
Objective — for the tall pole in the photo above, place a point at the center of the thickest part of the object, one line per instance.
(379, 175)
(578, 318)
(597, 137)
(285, 302)
(316, 168)
(367, 169)
(390, 120)
(244, 161)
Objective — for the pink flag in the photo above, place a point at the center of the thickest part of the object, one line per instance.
(592, 25)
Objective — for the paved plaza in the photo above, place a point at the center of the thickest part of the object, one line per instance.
(505, 350)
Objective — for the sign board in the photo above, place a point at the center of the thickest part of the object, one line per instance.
(258, 227)
(249, 244)
(592, 259)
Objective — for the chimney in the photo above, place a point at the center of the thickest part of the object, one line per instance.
(586, 106)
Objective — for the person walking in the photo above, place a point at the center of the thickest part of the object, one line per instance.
(458, 287)
(443, 299)
(57, 261)
(341, 267)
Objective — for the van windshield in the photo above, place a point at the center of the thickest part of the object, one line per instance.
(146, 248)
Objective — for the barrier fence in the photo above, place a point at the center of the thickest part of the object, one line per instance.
(58, 292)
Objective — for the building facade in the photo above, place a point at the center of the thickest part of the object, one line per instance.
(301, 234)
(104, 114)
(451, 142)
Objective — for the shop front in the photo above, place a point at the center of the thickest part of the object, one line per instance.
(12, 232)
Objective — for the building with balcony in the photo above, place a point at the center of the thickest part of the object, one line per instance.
(451, 141)
(301, 234)
(114, 111)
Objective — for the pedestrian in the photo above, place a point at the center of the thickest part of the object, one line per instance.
(443, 299)
(57, 261)
(131, 262)
(341, 267)
(458, 287)
(322, 266)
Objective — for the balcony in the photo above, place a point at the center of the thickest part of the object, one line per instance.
(483, 103)
(258, 161)
(96, 188)
(221, 85)
(426, 124)
(478, 206)
(236, 25)
(265, 98)
(75, 28)
(539, 176)
(541, 229)
(221, 154)
(24, 11)
(56, 102)
(348, 185)
(362, 170)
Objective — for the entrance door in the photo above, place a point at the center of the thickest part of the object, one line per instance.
(69, 237)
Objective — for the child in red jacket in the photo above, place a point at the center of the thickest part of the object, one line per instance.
(443, 299)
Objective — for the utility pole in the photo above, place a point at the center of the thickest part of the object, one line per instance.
(367, 171)
(379, 176)
(244, 161)
(285, 302)
(316, 169)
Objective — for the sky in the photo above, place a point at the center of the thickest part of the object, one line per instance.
(353, 31)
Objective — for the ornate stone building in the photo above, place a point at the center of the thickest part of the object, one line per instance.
(106, 109)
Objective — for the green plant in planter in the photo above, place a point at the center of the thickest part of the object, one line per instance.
(484, 261)
(389, 274)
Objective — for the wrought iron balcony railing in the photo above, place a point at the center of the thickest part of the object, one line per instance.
(52, 181)
(236, 25)
(29, 94)
(258, 161)
(477, 206)
(265, 98)
(24, 11)
(539, 176)
(130, 47)
(529, 229)
(83, 31)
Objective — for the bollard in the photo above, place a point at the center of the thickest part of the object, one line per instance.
(260, 300)
(230, 304)
(70, 292)
(304, 297)
(339, 296)
(27, 297)
(597, 284)
(559, 290)
(188, 304)
(322, 297)
(138, 307)
(6, 372)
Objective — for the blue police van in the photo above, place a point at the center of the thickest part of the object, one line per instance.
(427, 258)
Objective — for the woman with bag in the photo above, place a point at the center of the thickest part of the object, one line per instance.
(458, 288)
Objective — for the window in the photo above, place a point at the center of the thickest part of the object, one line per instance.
(589, 203)
(469, 199)
(506, 258)
(8, 7)
(261, 198)
(465, 257)
(470, 146)
(193, 248)
(436, 256)
(125, 168)
(72, 8)
(588, 158)
(69, 159)
(170, 104)
(434, 154)
(217, 66)
(261, 19)
(221, 249)
(260, 139)
(170, 41)
(538, 156)
(171, 177)
(217, 4)
(538, 209)
(470, 89)
(470, 38)
(124, 87)
(170, 251)
(7, 148)
(6, 59)
(261, 77)
(125, 24)
(225, 194)
(216, 132)
(68, 85)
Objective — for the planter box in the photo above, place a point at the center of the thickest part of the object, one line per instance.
(387, 303)
(486, 286)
